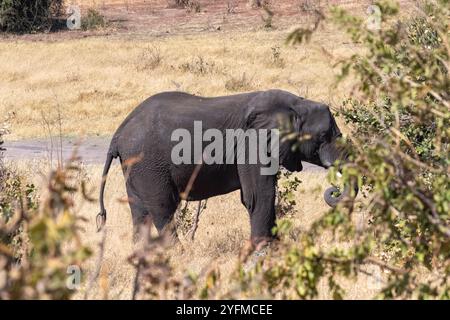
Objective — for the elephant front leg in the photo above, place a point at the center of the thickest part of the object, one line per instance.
(258, 196)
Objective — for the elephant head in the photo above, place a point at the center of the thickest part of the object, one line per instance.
(310, 133)
(319, 143)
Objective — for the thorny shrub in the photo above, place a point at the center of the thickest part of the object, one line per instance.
(189, 5)
(149, 59)
(198, 66)
(239, 83)
(93, 20)
(287, 185)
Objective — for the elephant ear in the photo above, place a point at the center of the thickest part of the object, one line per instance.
(273, 110)
(266, 108)
(313, 114)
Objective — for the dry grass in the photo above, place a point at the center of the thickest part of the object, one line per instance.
(96, 82)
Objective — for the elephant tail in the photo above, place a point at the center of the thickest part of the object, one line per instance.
(101, 217)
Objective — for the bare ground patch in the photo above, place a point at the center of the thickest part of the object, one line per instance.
(158, 18)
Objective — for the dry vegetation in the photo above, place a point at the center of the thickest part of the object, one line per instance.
(99, 81)
(95, 82)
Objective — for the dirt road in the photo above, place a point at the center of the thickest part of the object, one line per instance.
(90, 150)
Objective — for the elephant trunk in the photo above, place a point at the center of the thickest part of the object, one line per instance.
(333, 196)
(328, 154)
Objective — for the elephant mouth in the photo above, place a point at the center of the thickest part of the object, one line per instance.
(333, 195)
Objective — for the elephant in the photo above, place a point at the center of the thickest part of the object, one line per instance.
(155, 184)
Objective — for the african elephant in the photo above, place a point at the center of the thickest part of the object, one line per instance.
(155, 184)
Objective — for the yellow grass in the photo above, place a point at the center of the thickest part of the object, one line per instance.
(95, 82)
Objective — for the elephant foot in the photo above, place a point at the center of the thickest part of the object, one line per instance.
(170, 235)
(172, 239)
(142, 229)
(255, 250)
(255, 257)
(260, 243)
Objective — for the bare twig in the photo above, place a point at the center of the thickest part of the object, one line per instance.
(435, 219)
(372, 260)
(367, 260)
(136, 286)
(98, 265)
(184, 195)
(60, 153)
(200, 208)
(50, 135)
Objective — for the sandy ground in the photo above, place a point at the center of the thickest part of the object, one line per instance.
(159, 18)
(90, 151)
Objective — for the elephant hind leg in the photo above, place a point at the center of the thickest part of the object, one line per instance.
(140, 216)
(159, 210)
(153, 198)
(162, 210)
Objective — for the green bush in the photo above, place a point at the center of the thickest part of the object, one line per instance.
(287, 185)
(22, 16)
(38, 242)
(92, 20)
(400, 132)
(14, 193)
(401, 127)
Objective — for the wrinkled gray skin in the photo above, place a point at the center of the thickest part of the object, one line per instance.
(154, 183)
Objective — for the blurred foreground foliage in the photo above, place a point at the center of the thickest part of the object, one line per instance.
(39, 242)
(400, 115)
